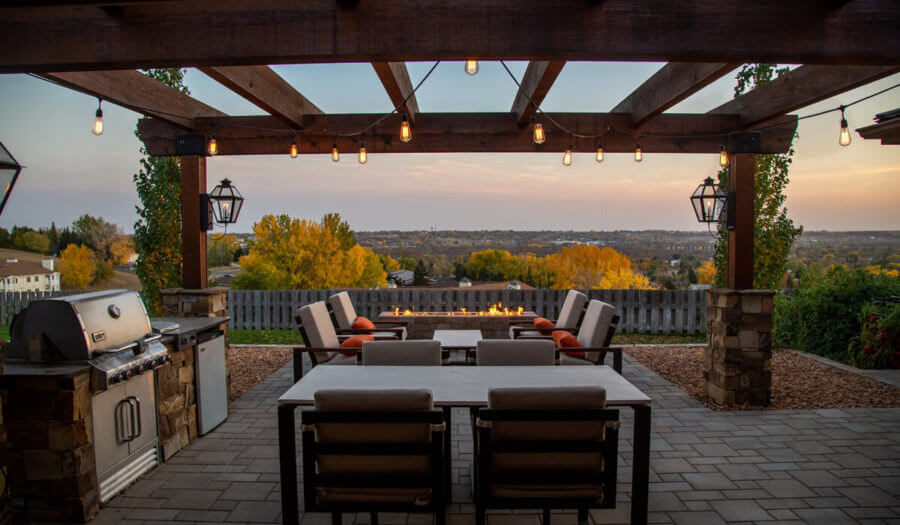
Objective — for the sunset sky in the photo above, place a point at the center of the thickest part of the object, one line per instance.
(69, 171)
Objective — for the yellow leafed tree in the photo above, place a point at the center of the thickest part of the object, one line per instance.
(77, 265)
(706, 274)
(586, 267)
(121, 250)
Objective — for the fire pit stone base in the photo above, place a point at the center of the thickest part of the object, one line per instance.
(422, 325)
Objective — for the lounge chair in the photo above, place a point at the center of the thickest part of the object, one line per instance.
(374, 451)
(545, 448)
(504, 352)
(345, 316)
(320, 339)
(569, 317)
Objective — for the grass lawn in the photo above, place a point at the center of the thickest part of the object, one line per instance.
(4, 332)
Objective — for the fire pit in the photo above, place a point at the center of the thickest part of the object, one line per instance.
(493, 322)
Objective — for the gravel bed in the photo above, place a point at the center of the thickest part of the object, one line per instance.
(797, 381)
(250, 365)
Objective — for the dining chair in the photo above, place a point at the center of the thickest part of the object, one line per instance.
(414, 352)
(545, 448)
(374, 451)
(345, 318)
(506, 352)
(569, 317)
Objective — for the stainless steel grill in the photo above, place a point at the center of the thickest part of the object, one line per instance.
(109, 330)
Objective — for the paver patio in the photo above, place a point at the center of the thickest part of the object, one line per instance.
(818, 466)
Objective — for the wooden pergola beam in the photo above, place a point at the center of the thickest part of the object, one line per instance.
(669, 86)
(536, 82)
(394, 77)
(888, 132)
(243, 32)
(799, 88)
(466, 132)
(265, 88)
(138, 92)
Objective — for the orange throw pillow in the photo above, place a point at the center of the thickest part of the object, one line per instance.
(567, 340)
(355, 341)
(544, 326)
(362, 323)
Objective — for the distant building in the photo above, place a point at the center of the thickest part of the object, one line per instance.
(26, 276)
(402, 277)
(465, 282)
(514, 285)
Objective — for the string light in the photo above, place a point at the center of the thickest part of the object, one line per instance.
(294, 148)
(845, 130)
(638, 154)
(335, 154)
(363, 156)
(723, 156)
(538, 136)
(405, 131)
(567, 156)
(600, 152)
(471, 67)
(97, 129)
(213, 146)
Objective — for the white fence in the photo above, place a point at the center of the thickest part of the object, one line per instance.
(644, 311)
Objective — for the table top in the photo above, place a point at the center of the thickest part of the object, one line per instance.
(457, 338)
(460, 386)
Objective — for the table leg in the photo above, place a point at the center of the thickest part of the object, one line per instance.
(640, 468)
(287, 451)
(448, 462)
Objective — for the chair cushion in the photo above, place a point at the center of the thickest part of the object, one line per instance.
(355, 341)
(412, 352)
(526, 333)
(566, 359)
(363, 323)
(344, 312)
(571, 309)
(544, 326)
(595, 326)
(319, 330)
(567, 340)
(497, 352)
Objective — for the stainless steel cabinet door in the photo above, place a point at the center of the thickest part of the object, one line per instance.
(112, 426)
(142, 396)
(212, 393)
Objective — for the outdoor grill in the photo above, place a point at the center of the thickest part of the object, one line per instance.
(110, 332)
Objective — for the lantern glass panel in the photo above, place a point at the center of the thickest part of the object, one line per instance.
(9, 173)
(227, 202)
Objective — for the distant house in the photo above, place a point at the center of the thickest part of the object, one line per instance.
(27, 276)
(465, 282)
(402, 277)
(514, 285)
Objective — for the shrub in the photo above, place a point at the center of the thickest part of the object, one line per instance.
(822, 314)
(878, 346)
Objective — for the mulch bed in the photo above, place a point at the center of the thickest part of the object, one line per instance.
(797, 381)
(250, 365)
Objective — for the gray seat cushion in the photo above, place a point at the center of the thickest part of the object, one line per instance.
(413, 352)
(515, 352)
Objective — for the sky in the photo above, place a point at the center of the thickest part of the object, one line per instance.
(69, 171)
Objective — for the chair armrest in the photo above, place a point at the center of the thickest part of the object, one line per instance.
(398, 323)
(616, 351)
(514, 322)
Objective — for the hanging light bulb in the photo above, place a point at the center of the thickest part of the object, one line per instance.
(723, 157)
(638, 154)
(599, 152)
(213, 146)
(335, 154)
(538, 136)
(471, 67)
(845, 130)
(405, 131)
(567, 156)
(97, 129)
(294, 148)
(363, 156)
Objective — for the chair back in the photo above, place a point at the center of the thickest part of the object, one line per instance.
(344, 312)
(376, 447)
(522, 352)
(595, 328)
(571, 310)
(317, 330)
(412, 352)
(548, 444)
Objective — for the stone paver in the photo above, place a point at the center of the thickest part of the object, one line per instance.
(785, 466)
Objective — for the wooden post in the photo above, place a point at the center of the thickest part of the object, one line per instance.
(193, 240)
(740, 239)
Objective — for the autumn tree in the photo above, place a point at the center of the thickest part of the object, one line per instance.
(590, 267)
(388, 263)
(157, 232)
(773, 231)
(706, 274)
(98, 234)
(494, 265)
(77, 265)
(121, 250)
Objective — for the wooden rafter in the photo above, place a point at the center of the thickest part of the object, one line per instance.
(669, 86)
(265, 88)
(394, 77)
(887, 132)
(536, 82)
(799, 88)
(243, 32)
(466, 132)
(138, 92)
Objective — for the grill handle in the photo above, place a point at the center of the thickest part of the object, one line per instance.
(135, 403)
(123, 435)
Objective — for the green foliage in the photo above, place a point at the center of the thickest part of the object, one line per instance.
(264, 337)
(494, 265)
(878, 345)
(773, 231)
(221, 250)
(822, 314)
(97, 234)
(408, 263)
(420, 274)
(4, 332)
(32, 241)
(157, 232)
(103, 271)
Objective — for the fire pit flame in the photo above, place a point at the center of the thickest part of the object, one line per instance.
(493, 310)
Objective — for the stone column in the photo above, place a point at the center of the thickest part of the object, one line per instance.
(738, 358)
(208, 302)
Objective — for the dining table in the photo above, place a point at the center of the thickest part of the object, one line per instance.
(463, 386)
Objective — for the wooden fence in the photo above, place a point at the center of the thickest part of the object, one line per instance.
(644, 311)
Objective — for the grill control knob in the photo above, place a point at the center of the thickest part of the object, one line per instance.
(137, 369)
(113, 379)
(161, 360)
(124, 375)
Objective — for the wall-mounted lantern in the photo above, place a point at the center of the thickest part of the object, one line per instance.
(9, 174)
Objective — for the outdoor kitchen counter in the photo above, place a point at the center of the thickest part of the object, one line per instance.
(187, 327)
(13, 369)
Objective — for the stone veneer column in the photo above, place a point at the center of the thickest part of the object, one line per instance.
(738, 357)
(208, 302)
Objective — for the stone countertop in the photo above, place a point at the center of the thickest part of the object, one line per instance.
(191, 324)
(14, 369)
